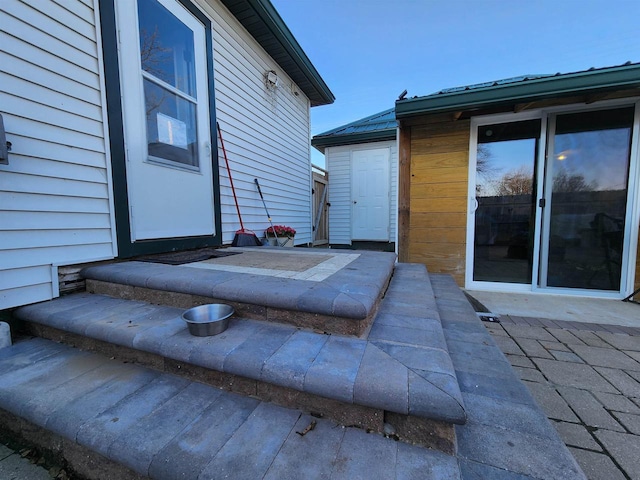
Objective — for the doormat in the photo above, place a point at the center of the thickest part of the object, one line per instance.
(188, 256)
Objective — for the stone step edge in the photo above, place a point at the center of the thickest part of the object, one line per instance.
(349, 293)
(446, 406)
(429, 433)
(159, 330)
(73, 457)
(89, 392)
(473, 348)
(167, 337)
(318, 322)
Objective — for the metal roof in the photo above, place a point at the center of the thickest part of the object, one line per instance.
(522, 89)
(264, 23)
(378, 127)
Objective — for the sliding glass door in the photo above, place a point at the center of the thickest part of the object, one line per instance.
(505, 196)
(549, 205)
(587, 182)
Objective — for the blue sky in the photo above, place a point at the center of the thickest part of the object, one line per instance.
(369, 51)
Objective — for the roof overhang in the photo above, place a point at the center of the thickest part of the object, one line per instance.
(320, 142)
(264, 24)
(585, 83)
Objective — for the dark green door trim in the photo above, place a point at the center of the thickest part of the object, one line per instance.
(127, 248)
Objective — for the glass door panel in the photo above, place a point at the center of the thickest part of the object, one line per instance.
(505, 195)
(167, 60)
(587, 177)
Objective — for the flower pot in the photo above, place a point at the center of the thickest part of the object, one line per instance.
(280, 241)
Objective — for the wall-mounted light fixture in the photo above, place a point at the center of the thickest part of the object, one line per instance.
(271, 79)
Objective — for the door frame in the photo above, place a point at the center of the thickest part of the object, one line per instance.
(113, 88)
(632, 223)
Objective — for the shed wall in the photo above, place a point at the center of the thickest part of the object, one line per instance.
(266, 133)
(338, 160)
(55, 199)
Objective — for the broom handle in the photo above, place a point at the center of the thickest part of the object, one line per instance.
(224, 152)
(267, 210)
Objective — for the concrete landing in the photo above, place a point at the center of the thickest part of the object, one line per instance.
(333, 292)
(562, 307)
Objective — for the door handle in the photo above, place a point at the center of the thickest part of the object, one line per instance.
(475, 205)
(355, 201)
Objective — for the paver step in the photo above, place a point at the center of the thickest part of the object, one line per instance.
(338, 295)
(400, 375)
(507, 435)
(110, 419)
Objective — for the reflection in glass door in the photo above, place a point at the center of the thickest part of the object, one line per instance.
(505, 195)
(167, 60)
(587, 177)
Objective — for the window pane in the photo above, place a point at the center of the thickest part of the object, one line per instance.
(505, 192)
(171, 125)
(166, 47)
(590, 167)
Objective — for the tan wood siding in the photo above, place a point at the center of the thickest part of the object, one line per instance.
(404, 192)
(438, 196)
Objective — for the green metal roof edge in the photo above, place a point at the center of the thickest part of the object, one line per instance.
(272, 20)
(546, 87)
(320, 142)
(355, 122)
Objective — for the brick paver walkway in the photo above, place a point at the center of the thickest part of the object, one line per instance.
(586, 377)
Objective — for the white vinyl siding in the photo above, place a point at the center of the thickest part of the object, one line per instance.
(338, 160)
(55, 201)
(266, 134)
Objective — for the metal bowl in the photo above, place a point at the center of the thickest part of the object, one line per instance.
(207, 320)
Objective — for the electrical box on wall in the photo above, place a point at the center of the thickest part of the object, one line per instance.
(5, 146)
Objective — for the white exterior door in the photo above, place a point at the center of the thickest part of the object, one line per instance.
(370, 194)
(166, 119)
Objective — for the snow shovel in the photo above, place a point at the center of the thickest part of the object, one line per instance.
(243, 237)
(268, 216)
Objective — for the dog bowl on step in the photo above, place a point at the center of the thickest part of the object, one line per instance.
(207, 320)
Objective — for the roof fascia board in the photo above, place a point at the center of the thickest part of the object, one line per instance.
(583, 82)
(274, 23)
(321, 143)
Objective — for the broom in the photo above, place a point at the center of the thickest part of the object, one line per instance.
(275, 234)
(243, 237)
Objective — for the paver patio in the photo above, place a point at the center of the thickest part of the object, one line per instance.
(586, 377)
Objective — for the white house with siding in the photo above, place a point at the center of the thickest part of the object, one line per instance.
(362, 160)
(110, 107)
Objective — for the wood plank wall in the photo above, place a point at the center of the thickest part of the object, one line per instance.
(438, 196)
